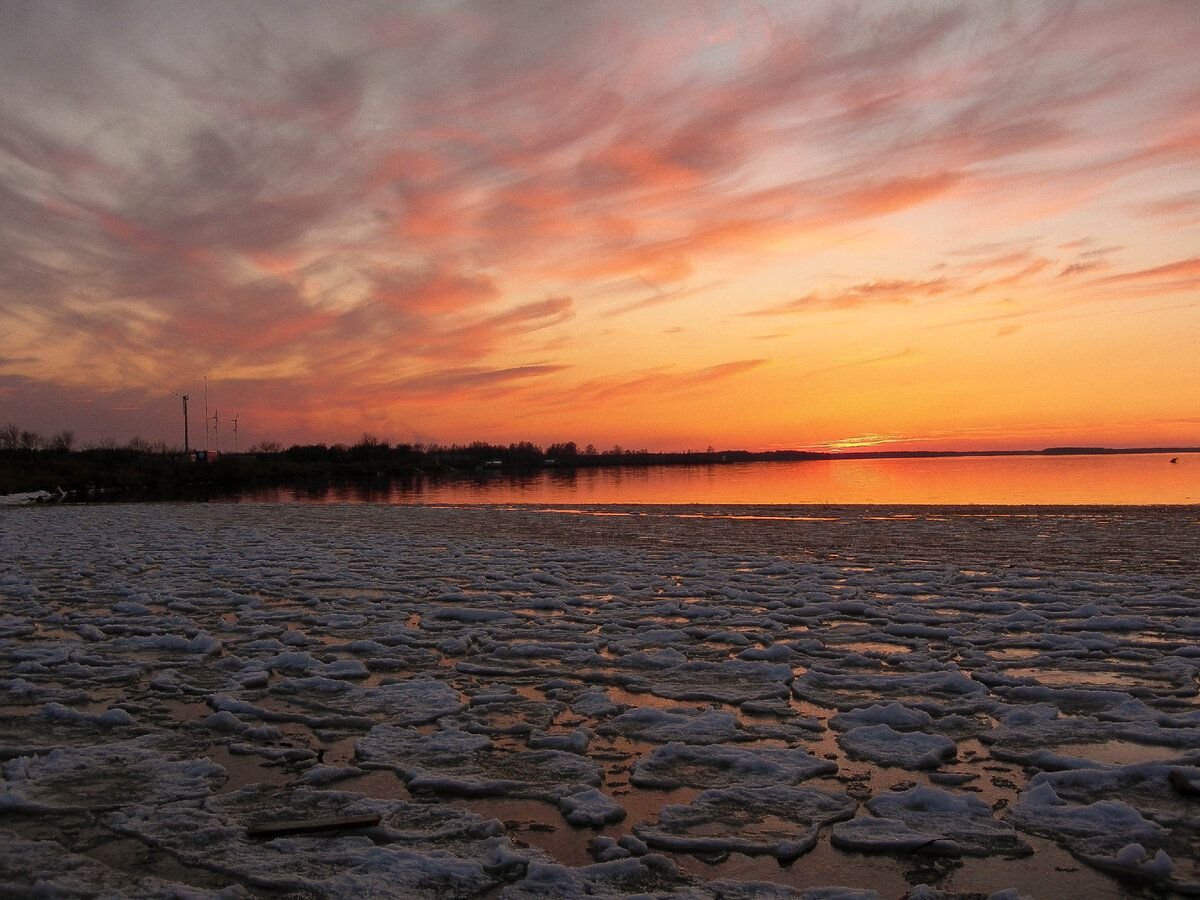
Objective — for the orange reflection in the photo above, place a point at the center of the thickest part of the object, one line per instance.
(1141, 479)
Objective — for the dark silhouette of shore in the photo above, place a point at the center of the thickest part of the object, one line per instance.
(144, 471)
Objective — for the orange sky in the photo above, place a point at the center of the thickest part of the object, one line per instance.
(670, 225)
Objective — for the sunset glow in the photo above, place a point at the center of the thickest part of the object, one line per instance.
(665, 225)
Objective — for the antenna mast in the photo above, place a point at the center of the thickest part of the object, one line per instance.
(216, 431)
(184, 398)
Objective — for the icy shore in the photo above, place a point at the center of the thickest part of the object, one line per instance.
(721, 702)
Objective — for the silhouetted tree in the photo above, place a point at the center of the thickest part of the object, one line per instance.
(524, 453)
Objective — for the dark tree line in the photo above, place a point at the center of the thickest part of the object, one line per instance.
(31, 461)
(14, 438)
(480, 454)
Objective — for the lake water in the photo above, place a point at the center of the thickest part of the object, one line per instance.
(1025, 480)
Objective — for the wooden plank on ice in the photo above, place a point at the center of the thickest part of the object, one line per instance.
(304, 826)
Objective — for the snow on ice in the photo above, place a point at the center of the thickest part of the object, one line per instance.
(540, 703)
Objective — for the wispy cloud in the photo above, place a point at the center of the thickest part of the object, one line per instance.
(855, 363)
(1181, 274)
(655, 382)
(871, 292)
(447, 382)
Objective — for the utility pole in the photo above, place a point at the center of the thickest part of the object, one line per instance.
(184, 398)
(235, 450)
(206, 414)
(216, 431)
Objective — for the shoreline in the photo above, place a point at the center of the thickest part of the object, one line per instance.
(86, 475)
(1143, 478)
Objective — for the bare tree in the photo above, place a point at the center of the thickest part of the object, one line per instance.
(10, 436)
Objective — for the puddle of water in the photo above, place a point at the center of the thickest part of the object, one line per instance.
(381, 784)
(620, 695)
(1085, 678)
(1118, 753)
(851, 627)
(540, 824)
(1013, 652)
(242, 771)
(870, 647)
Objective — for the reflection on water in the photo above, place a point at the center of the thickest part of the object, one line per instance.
(1025, 480)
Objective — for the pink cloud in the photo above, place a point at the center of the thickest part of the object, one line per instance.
(435, 291)
(872, 292)
(1169, 278)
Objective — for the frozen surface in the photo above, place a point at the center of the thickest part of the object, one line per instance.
(677, 764)
(457, 762)
(102, 777)
(781, 821)
(415, 851)
(44, 869)
(961, 819)
(884, 745)
(657, 700)
(590, 807)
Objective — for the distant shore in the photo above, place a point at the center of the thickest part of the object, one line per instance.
(137, 473)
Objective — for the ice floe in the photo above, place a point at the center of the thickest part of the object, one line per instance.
(884, 745)
(417, 850)
(780, 820)
(960, 819)
(677, 764)
(103, 777)
(459, 762)
(30, 868)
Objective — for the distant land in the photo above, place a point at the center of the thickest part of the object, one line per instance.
(800, 455)
(143, 471)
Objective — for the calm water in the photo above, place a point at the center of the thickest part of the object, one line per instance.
(1119, 480)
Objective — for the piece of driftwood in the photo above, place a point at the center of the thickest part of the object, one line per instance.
(304, 826)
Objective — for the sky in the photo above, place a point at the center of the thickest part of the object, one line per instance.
(669, 225)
